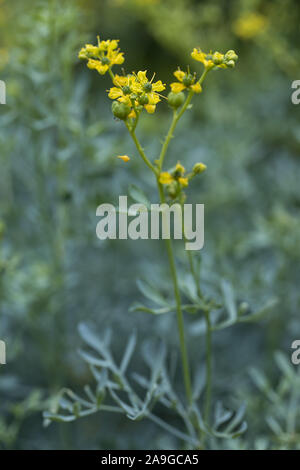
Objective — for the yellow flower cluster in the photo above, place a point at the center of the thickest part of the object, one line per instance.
(176, 179)
(136, 92)
(185, 80)
(215, 59)
(176, 175)
(103, 56)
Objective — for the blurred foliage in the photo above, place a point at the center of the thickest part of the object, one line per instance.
(58, 142)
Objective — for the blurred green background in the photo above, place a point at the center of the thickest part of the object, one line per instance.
(58, 144)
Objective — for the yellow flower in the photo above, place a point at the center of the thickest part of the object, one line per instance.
(183, 181)
(165, 178)
(103, 56)
(122, 90)
(185, 80)
(125, 158)
(179, 168)
(200, 56)
(250, 25)
(177, 175)
(148, 92)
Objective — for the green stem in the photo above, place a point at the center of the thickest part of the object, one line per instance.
(176, 116)
(194, 273)
(180, 322)
(207, 407)
(112, 76)
(140, 149)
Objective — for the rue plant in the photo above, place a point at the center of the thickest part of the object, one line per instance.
(133, 94)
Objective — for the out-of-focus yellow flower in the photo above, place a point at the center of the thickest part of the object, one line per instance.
(147, 91)
(125, 158)
(250, 25)
(165, 178)
(177, 175)
(185, 80)
(215, 59)
(103, 56)
(199, 168)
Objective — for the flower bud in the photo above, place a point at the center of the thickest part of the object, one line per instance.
(120, 110)
(230, 64)
(243, 308)
(231, 55)
(199, 168)
(218, 58)
(176, 99)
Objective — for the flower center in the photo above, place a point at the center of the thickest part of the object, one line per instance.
(126, 90)
(188, 79)
(105, 61)
(147, 87)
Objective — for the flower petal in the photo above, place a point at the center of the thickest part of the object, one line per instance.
(183, 181)
(179, 74)
(165, 178)
(125, 158)
(196, 88)
(115, 93)
(177, 87)
(150, 108)
(142, 76)
(158, 86)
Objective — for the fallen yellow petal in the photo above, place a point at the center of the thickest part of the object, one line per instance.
(125, 158)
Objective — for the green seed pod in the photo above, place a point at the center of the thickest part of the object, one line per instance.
(173, 189)
(120, 110)
(147, 87)
(126, 90)
(176, 99)
(188, 79)
(143, 100)
(105, 61)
